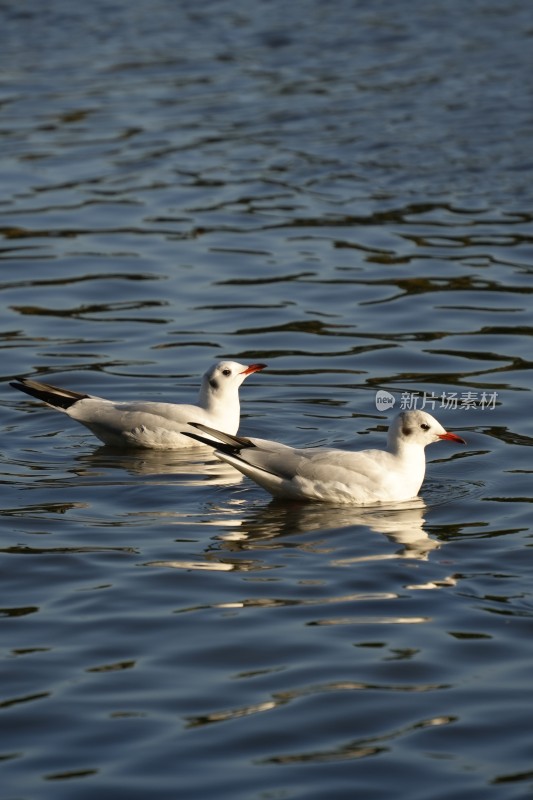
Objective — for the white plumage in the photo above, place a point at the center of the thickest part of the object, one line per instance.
(362, 478)
(152, 425)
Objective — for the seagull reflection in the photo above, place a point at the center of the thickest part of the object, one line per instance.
(244, 531)
(195, 468)
(401, 523)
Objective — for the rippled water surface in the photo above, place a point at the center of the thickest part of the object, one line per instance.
(344, 191)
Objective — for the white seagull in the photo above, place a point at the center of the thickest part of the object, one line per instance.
(361, 478)
(152, 425)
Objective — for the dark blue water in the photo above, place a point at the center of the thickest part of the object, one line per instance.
(344, 192)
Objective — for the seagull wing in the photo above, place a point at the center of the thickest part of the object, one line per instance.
(314, 474)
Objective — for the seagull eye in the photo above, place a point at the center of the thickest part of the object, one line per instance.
(226, 372)
(424, 426)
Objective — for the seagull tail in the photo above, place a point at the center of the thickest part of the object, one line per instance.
(224, 442)
(51, 395)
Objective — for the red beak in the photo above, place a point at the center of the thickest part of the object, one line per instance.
(253, 368)
(452, 437)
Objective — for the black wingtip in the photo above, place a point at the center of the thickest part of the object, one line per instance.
(223, 442)
(17, 383)
(236, 443)
(51, 395)
(201, 439)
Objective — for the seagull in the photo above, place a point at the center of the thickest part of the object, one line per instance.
(362, 478)
(152, 425)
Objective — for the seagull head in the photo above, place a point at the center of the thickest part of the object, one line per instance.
(419, 428)
(224, 378)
